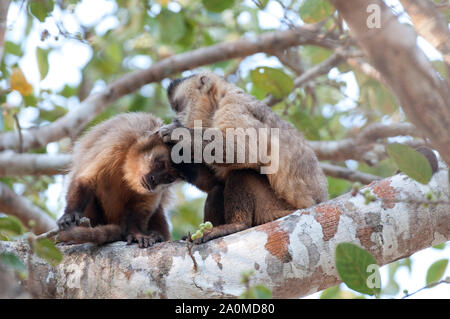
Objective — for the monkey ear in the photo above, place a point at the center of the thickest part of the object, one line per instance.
(205, 83)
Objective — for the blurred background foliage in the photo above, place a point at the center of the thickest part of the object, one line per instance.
(127, 35)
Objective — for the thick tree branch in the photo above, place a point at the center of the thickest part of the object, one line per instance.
(76, 119)
(14, 164)
(292, 256)
(430, 24)
(22, 208)
(393, 51)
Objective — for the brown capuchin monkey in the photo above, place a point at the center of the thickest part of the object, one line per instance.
(250, 198)
(120, 179)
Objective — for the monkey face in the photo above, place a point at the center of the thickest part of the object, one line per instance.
(198, 89)
(148, 167)
(160, 174)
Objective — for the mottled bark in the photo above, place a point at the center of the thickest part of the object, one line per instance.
(293, 256)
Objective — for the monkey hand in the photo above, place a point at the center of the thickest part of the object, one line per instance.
(144, 240)
(69, 220)
(165, 132)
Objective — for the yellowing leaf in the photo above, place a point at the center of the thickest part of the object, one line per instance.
(19, 83)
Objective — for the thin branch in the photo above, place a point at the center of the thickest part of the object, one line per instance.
(348, 174)
(19, 130)
(320, 69)
(430, 285)
(22, 208)
(364, 145)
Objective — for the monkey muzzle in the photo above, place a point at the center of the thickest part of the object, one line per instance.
(152, 180)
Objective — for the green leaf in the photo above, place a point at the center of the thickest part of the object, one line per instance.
(314, 55)
(439, 246)
(312, 11)
(257, 292)
(217, 5)
(45, 249)
(410, 162)
(331, 293)
(42, 61)
(272, 81)
(436, 271)
(12, 261)
(41, 8)
(172, 25)
(352, 264)
(12, 225)
(13, 48)
(440, 67)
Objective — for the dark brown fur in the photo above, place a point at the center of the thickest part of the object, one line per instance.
(243, 200)
(120, 180)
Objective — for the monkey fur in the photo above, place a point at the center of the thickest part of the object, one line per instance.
(120, 179)
(219, 104)
(241, 197)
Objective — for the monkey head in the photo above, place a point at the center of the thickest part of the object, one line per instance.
(148, 167)
(187, 94)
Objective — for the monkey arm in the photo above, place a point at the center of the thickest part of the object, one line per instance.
(236, 150)
(79, 196)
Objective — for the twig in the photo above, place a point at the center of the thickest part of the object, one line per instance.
(430, 285)
(19, 129)
(189, 248)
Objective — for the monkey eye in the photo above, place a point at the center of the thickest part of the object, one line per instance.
(176, 106)
(159, 164)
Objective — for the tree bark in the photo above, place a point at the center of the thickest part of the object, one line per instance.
(430, 24)
(293, 256)
(393, 51)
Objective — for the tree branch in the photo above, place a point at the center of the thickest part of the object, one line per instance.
(76, 119)
(363, 146)
(393, 50)
(345, 173)
(320, 69)
(293, 256)
(14, 164)
(22, 208)
(430, 24)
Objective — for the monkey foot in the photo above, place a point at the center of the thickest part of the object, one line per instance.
(144, 240)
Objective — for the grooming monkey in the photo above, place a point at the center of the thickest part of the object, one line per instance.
(220, 104)
(120, 179)
(299, 181)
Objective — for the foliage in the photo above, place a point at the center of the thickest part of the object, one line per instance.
(353, 265)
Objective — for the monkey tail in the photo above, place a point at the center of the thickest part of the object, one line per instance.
(99, 235)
